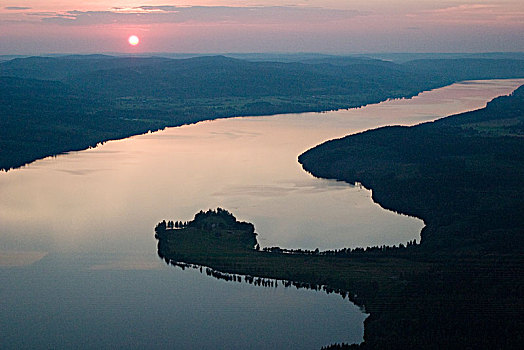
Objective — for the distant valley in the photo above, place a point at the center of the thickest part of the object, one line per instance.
(51, 105)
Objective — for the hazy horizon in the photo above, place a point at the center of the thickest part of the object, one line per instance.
(229, 26)
(176, 54)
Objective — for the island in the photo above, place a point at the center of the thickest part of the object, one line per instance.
(461, 287)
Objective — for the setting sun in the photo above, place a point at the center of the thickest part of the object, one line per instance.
(133, 40)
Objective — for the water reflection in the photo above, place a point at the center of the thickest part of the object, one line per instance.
(19, 258)
(256, 281)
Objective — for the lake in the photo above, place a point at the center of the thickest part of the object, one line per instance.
(78, 258)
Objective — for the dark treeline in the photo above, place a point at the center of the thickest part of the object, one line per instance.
(163, 225)
(383, 249)
(338, 346)
(52, 105)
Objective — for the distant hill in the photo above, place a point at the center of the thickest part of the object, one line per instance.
(219, 76)
(64, 67)
(466, 68)
(405, 57)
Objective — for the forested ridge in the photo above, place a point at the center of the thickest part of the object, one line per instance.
(463, 176)
(50, 105)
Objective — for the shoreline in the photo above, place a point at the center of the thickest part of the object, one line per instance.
(96, 143)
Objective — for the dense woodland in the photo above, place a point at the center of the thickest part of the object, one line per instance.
(461, 287)
(463, 176)
(50, 105)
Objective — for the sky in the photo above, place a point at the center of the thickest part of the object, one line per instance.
(220, 26)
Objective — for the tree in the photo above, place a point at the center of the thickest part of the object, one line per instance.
(161, 226)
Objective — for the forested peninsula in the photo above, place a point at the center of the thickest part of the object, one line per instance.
(460, 287)
(51, 105)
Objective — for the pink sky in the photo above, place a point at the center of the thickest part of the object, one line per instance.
(331, 26)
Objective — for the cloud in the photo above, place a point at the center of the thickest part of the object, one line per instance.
(472, 13)
(464, 8)
(201, 14)
(17, 8)
(159, 8)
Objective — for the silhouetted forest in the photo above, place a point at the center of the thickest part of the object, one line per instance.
(463, 176)
(50, 105)
(461, 287)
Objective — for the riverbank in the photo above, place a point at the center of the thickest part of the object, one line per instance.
(461, 287)
(463, 176)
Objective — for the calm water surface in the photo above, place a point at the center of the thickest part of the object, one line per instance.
(78, 256)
